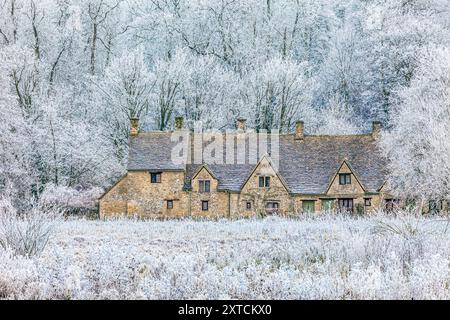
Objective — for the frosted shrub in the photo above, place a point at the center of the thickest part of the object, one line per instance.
(72, 200)
(26, 234)
(406, 228)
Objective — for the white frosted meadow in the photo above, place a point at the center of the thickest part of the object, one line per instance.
(326, 257)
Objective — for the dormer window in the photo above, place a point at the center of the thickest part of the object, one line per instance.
(155, 177)
(264, 182)
(345, 179)
(204, 186)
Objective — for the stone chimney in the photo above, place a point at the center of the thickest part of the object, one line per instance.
(179, 123)
(242, 124)
(300, 130)
(134, 127)
(376, 130)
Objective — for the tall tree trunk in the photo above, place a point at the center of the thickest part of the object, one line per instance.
(94, 47)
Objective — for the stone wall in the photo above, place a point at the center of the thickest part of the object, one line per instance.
(353, 191)
(135, 195)
(144, 199)
(218, 201)
(114, 202)
(251, 192)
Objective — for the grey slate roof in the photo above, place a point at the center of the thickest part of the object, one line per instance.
(151, 151)
(309, 166)
(306, 166)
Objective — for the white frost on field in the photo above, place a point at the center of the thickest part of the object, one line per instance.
(312, 258)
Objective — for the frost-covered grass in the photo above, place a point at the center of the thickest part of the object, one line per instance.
(329, 257)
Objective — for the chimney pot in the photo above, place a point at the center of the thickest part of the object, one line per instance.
(134, 127)
(179, 123)
(376, 130)
(241, 124)
(300, 130)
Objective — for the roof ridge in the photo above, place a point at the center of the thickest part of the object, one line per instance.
(359, 135)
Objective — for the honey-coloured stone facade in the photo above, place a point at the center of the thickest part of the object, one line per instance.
(217, 201)
(136, 196)
(306, 179)
(260, 197)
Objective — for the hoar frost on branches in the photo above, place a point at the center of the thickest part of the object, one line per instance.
(26, 234)
(418, 145)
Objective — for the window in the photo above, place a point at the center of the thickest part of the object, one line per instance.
(345, 179)
(391, 204)
(249, 205)
(410, 203)
(327, 204)
(204, 186)
(169, 204)
(368, 202)
(346, 205)
(435, 206)
(205, 205)
(156, 177)
(264, 182)
(309, 206)
(272, 207)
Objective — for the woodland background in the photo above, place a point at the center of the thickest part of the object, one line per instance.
(73, 73)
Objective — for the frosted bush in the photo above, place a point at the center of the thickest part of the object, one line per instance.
(26, 234)
(73, 200)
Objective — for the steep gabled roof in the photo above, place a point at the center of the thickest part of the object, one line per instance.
(265, 157)
(345, 162)
(206, 167)
(306, 166)
(108, 190)
(230, 177)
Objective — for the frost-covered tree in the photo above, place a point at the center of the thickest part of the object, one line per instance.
(395, 32)
(338, 118)
(276, 92)
(418, 144)
(98, 14)
(125, 93)
(207, 93)
(170, 75)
